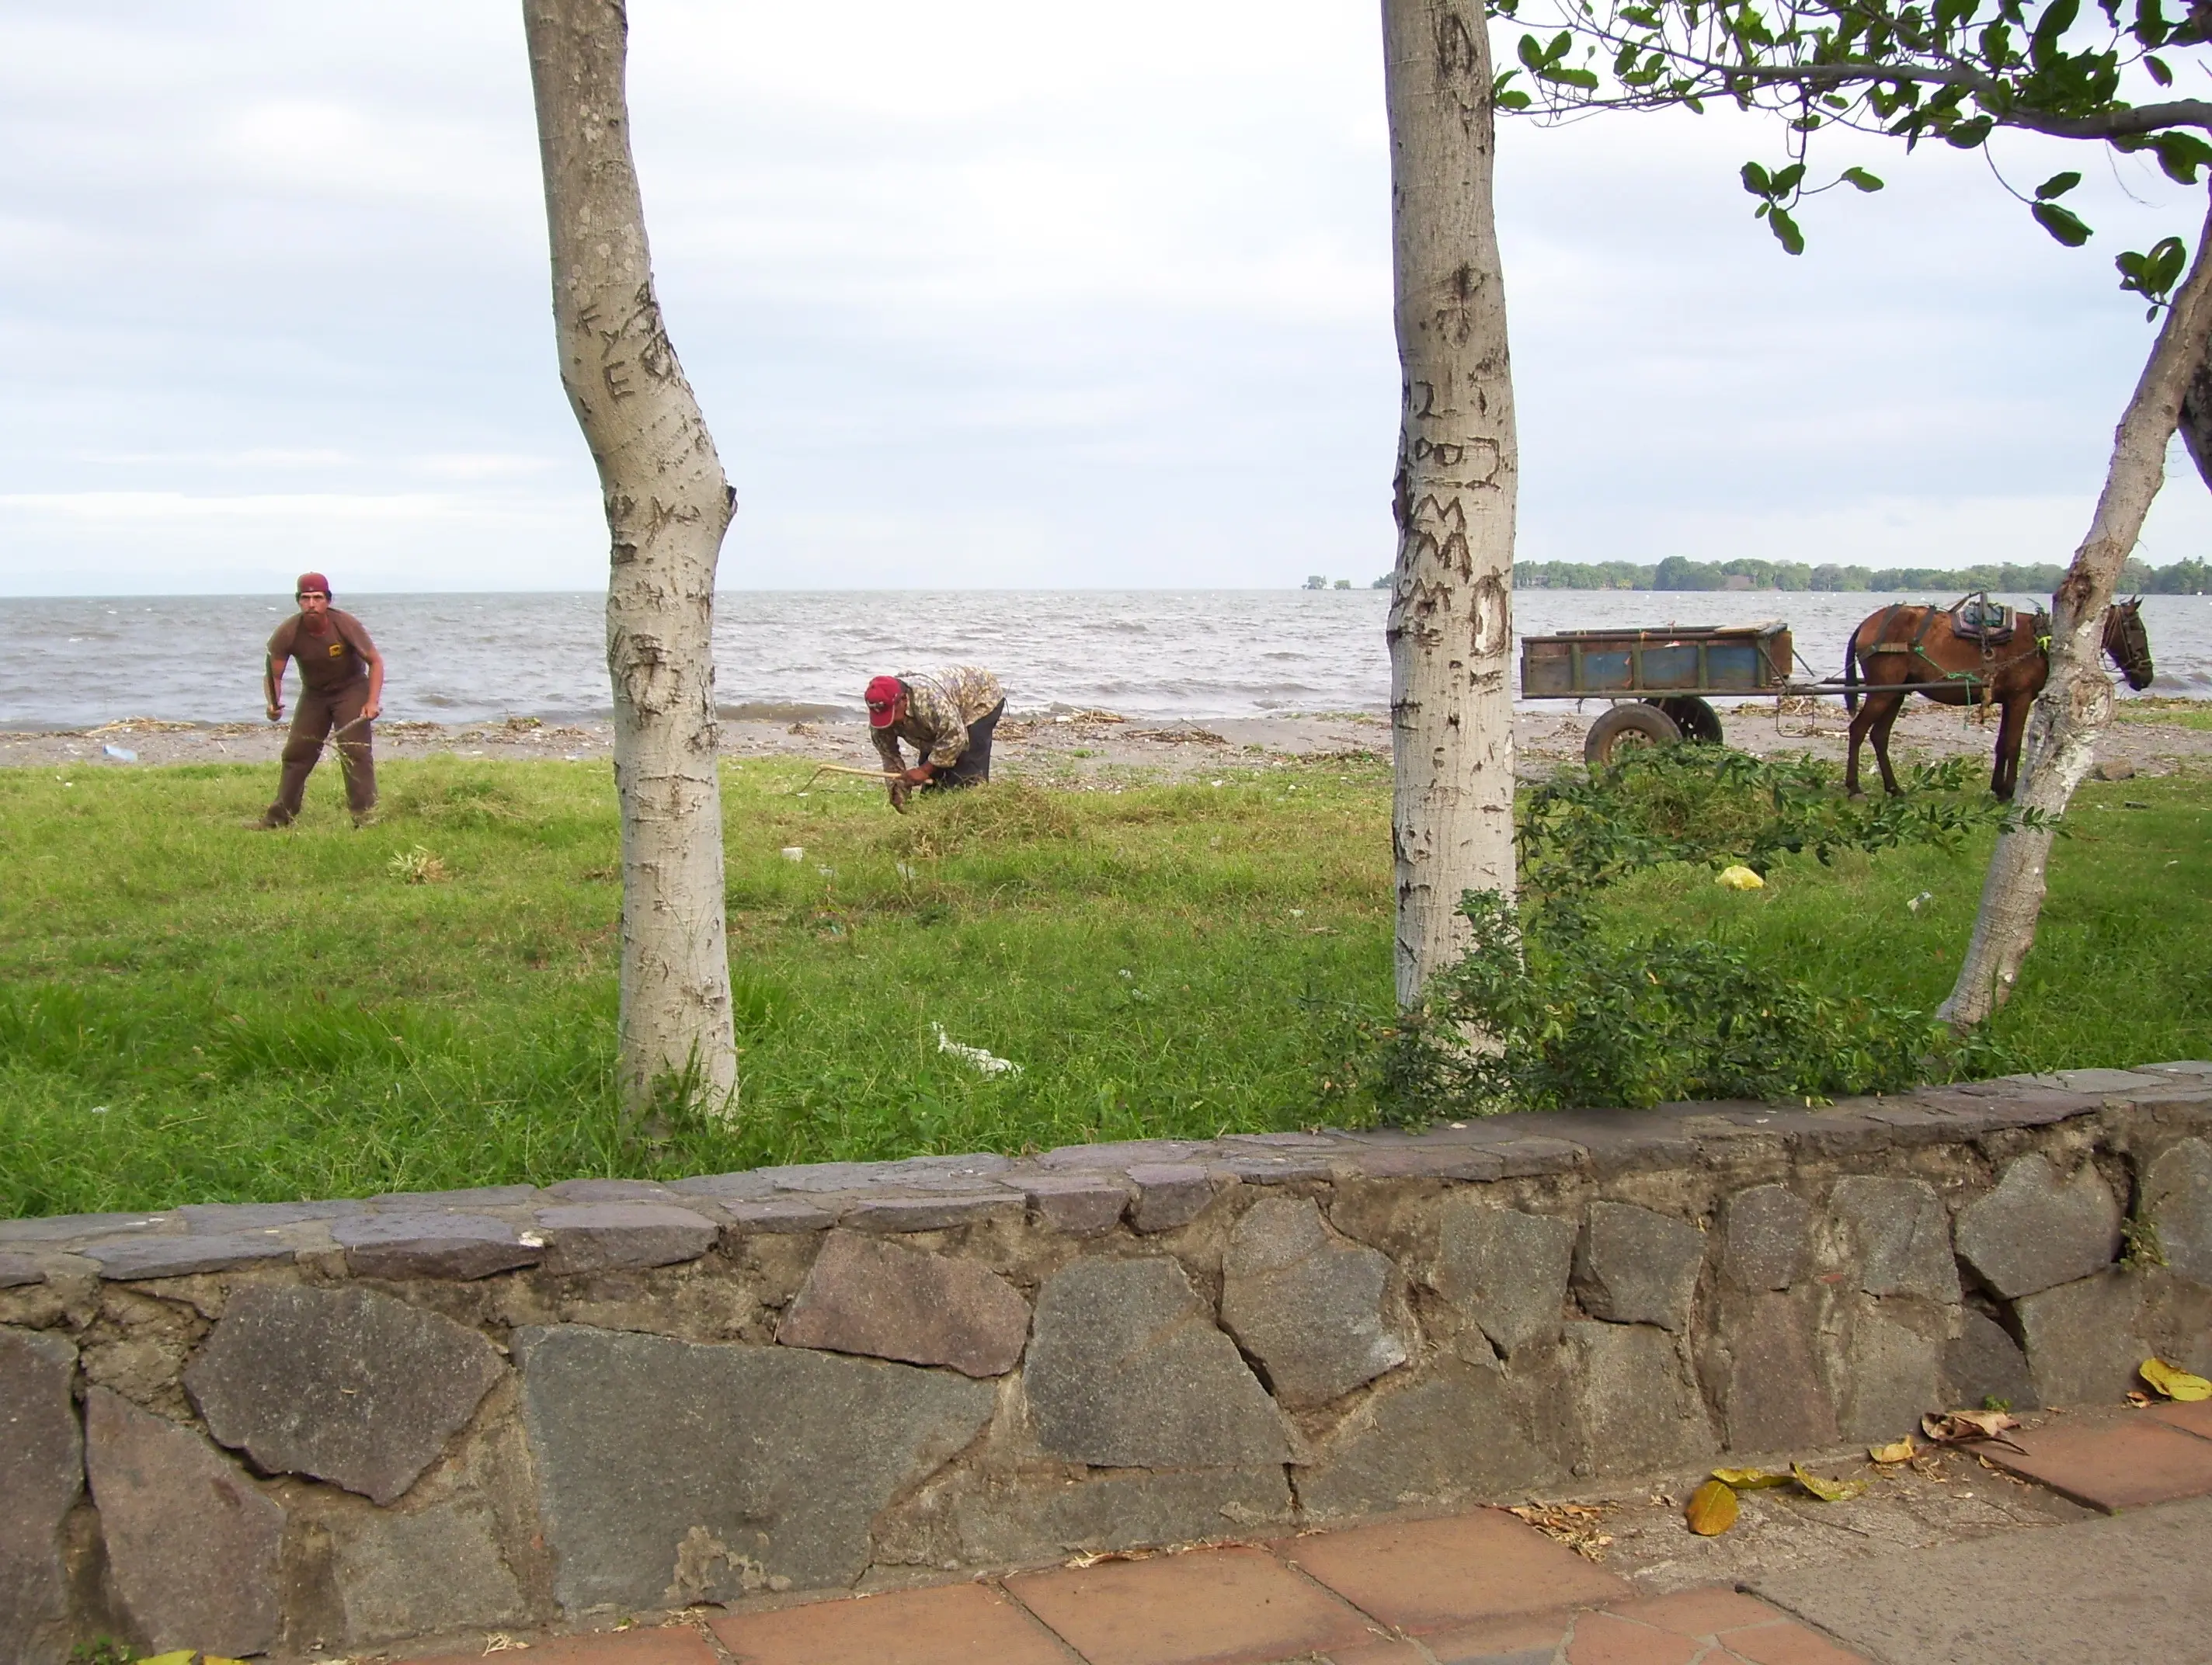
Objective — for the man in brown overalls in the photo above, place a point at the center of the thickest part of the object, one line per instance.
(341, 688)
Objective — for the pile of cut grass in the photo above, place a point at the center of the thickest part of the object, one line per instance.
(193, 1011)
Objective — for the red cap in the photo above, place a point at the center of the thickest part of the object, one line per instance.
(883, 696)
(312, 581)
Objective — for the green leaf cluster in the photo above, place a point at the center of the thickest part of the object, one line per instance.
(1574, 1009)
(1958, 70)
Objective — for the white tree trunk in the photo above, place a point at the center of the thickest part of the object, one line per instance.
(1451, 603)
(2076, 702)
(667, 507)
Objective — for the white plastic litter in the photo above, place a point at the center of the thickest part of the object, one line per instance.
(121, 754)
(1913, 906)
(982, 1059)
(795, 852)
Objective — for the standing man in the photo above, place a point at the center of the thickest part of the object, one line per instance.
(946, 715)
(340, 688)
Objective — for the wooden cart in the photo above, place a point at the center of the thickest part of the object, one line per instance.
(1659, 679)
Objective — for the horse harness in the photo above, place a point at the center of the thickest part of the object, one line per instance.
(1986, 632)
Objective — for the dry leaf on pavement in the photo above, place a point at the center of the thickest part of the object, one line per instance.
(1578, 1526)
(1902, 1450)
(1752, 1480)
(1712, 1508)
(1825, 1490)
(2175, 1382)
(1953, 1426)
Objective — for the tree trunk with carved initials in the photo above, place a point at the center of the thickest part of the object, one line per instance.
(2076, 702)
(667, 507)
(1451, 606)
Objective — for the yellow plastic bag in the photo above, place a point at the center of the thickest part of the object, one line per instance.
(1739, 878)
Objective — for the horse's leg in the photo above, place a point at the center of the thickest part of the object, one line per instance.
(2004, 777)
(1889, 704)
(1862, 719)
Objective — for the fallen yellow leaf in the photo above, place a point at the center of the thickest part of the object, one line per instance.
(2175, 1382)
(1712, 1508)
(1967, 1424)
(1751, 1479)
(177, 1657)
(1901, 1451)
(1825, 1490)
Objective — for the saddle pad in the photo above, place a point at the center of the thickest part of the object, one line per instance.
(1980, 619)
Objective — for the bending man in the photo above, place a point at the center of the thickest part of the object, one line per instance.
(340, 688)
(946, 715)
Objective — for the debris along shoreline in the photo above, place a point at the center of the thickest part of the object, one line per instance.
(1074, 748)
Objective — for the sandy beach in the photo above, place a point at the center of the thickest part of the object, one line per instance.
(1089, 749)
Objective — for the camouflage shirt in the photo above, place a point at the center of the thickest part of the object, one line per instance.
(940, 706)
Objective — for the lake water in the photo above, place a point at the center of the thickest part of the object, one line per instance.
(1144, 652)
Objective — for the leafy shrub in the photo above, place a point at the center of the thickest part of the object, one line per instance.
(1550, 1009)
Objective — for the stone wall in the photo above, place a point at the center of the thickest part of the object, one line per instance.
(286, 1426)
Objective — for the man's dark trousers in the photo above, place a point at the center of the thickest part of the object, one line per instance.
(314, 718)
(972, 766)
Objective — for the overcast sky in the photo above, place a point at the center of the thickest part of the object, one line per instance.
(977, 292)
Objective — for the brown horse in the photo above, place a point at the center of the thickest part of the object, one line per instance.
(1921, 645)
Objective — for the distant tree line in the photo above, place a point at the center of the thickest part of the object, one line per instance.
(1678, 573)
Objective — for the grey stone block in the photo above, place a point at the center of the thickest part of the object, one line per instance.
(41, 1472)
(1633, 1266)
(191, 1544)
(1771, 1397)
(777, 1215)
(1310, 1309)
(400, 1575)
(2036, 1231)
(2082, 1348)
(924, 1214)
(223, 1218)
(887, 1301)
(17, 1270)
(127, 1260)
(73, 1228)
(1893, 1368)
(1004, 1520)
(1169, 1194)
(2106, 1081)
(1766, 1232)
(1898, 1238)
(432, 1245)
(751, 1186)
(2176, 1199)
(610, 1236)
(1636, 1406)
(1454, 1432)
(1984, 1362)
(1081, 1205)
(348, 1385)
(1506, 1270)
(744, 1463)
(1419, 1160)
(1537, 1158)
(478, 1196)
(1126, 1371)
(610, 1190)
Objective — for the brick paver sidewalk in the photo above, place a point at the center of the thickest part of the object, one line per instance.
(1476, 1586)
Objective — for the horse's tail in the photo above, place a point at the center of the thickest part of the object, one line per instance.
(1852, 673)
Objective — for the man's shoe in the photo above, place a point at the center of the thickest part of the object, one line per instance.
(365, 818)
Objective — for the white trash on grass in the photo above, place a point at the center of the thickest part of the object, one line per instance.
(982, 1059)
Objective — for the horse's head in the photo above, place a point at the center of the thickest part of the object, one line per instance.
(2128, 642)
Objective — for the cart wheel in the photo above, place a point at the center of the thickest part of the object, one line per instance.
(1698, 721)
(1626, 726)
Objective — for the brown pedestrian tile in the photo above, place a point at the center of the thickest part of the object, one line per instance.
(951, 1624)
(2115, 1466)
(1786, 1645)
(1601, 1639)
(1423, 1576)
(1698, 1612)
(2189, 1418)
(1524, 1641)
(1238, 1606)
(1379, 1653)
(676, 1644)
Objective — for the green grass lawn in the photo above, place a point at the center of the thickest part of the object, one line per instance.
(190, 1011)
